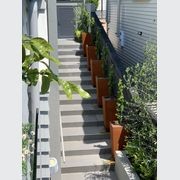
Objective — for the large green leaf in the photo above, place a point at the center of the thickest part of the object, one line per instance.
(66, 88)
(79, 90)
(43, 48)
(45, 84)
(33, 76)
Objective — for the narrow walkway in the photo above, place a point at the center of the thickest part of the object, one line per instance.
(87, 145)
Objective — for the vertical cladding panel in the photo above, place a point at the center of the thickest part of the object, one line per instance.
(135, 16)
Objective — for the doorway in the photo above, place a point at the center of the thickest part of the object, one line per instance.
(65, 20)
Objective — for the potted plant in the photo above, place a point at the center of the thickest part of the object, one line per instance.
(109, 102)
(91, 55)
(82, 22)
(117, 129)
(102, 81)
(97, 64)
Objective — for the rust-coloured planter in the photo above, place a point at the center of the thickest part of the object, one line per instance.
(86, 40)
(117, 137)
(96, 70)
(91, 55)
(101, 89)
(109, 110)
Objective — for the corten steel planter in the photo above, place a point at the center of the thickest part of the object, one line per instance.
(86, 40)
(91, 54)
(109, 110)
(101, 89)
(117, 137)
(96, 70)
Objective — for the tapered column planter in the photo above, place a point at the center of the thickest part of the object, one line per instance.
(91, 54)
(109, 111)
(117, 137)
(86, 40)
(96, 70)
(101, 89)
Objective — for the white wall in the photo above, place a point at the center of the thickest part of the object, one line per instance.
(25, 30)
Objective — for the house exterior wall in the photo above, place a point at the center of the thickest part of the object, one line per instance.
(133, 17)
(25, 30)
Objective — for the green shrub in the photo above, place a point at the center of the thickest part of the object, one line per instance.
(141, 81)
(78, 35)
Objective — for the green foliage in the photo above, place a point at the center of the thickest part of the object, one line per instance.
(105, 54)
(111, 79)
(98, 44)
(34, 50)
(78, 35)
(141, 145)
(141, 81)
(121, 102)
(27, 145)
(96, 2)
(82, 19)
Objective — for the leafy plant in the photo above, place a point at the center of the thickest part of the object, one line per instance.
(82, 19)
(105, 60)
(27, 145)
(121, 102)
(78, 35)
(141, 81)
(111, 80)
(34, 50)
(98, 44)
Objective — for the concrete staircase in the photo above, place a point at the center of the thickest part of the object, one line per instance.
(87, 145)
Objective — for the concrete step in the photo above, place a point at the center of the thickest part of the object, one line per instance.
(68, 46)
(70, 65)
(84, 80)
(77, 99)
(80, 109)
(84, 163)
(89, 88)
(67, 41)
(94, 175)
(74, 148)
(82, 121)
(85, 133)
(74, 72)
(72, 58)
(72, 51)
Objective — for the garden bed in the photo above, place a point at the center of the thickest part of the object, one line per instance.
(123, 167)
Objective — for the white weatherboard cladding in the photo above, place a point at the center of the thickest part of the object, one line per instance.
(132, 17)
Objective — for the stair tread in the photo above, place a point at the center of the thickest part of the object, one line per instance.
(87, 145)
(87, 160)
(67, 41)
(73, 63)
(73, 70)
(75, 131)
(80, 118)
(63, 97)
(96, 175)
(77, 107)
(77, 78)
